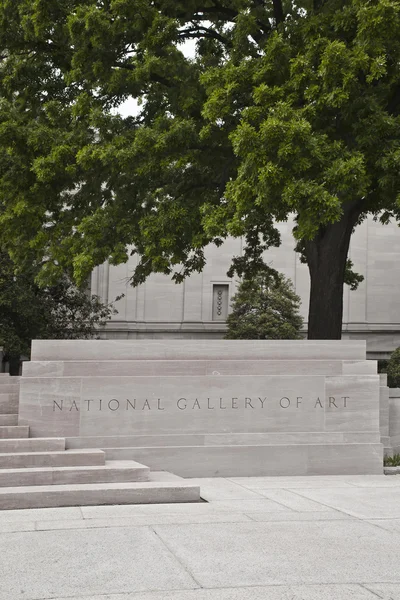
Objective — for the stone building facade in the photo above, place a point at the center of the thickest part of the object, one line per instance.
(198, 307)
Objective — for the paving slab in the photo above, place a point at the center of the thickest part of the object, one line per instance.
(385, 481)
(302, 592)
(293, 500)
(129, 510)
(141, 520)
(14, 526)
(284, 553)
(326, 515)
(262, 483)
(222, 489)
(198, 508)
(96, 561)
(364, 503)
(386, 591)
(243, 505)
(40, 514)
(388, 524)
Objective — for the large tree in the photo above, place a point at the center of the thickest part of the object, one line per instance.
(287, 108)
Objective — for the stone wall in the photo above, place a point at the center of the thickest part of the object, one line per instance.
(211, 407)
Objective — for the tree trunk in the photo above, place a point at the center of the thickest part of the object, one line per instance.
(326, 257)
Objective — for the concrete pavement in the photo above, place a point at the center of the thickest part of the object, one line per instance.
(259, 538)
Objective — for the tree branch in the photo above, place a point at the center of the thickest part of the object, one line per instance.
(153, 77)
(201, 32)
(264, 26)
(230, 15)
(278, 11)
(218, 9)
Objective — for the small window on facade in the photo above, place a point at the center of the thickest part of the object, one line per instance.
(220, 302)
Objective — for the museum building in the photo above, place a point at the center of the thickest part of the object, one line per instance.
(198, 307)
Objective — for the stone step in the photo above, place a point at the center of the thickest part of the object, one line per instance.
(98, 494)
(9, 419)
(112, 443)
(13, 431)
(64, 458)
(164, 476)
(32, 445)
(111, 472)
(9, 388)
(6, 378)
(8, 403)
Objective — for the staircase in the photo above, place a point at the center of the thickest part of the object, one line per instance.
(41, 473)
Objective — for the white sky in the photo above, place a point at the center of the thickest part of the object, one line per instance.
(130, 106)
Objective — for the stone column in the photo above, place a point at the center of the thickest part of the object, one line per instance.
(394, 420)
(384, 412)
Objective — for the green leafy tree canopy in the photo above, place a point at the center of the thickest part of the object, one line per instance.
(286, 109)
(265, 307)
(27, 311)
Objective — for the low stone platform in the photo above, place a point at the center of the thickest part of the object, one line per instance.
(212, 407)
(41, 472)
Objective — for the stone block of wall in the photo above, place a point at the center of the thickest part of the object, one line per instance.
(211, 407)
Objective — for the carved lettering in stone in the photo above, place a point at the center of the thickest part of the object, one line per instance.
(196, 404)
(284, 402)
(332, 400)
(181, 406)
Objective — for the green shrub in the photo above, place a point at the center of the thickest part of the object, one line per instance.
(393, 369)
(382, 365)
(392, 461)
(265, 308)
